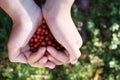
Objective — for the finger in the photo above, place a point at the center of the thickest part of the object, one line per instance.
(37, 55)
(40, 63)
(57, 54)
(50, 65)
(74, 55)
(27, 54)
(52, 59)
(79, 42)
(43, 60)
(16, 41)
(73, 50)
(66, 52)
(20, 58)
(23, 56)
(25, 49)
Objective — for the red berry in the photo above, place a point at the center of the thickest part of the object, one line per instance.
(44, 26)
(31, 40)
(43, 30)
(43, 21)
(39, 29)
(34, 36)
(38, 36)
(43, 43)
(58, 48)
(31, 48)
(46, 38)
(43, 38)
(49, 43)
(46, 32)
(36, 40)
(35, 46)
(31, 44)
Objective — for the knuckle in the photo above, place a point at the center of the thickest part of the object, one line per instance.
(67, 60)
(75, 58)
(78, 55)
(80, 43)
(30, 61)
(59, 63)
(12, 59)
(32, 65)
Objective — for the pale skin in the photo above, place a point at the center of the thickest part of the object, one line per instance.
(26, 16)
(58, 16)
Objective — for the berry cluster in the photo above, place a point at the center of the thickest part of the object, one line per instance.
(43, 38)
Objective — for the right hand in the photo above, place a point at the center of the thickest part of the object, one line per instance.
(57, 14)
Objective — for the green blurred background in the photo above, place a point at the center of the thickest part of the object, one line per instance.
(99, 26)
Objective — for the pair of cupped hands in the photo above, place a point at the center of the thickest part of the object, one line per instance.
(27, 16)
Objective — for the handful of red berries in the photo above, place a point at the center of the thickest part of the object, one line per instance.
(43, 38)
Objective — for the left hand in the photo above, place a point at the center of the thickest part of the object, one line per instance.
(24, 26)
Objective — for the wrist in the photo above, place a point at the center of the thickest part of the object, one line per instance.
(67, 2)
(51, 5)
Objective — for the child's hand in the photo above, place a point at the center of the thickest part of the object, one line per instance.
(58, 18)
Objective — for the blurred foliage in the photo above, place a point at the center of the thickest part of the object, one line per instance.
(100, 60)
